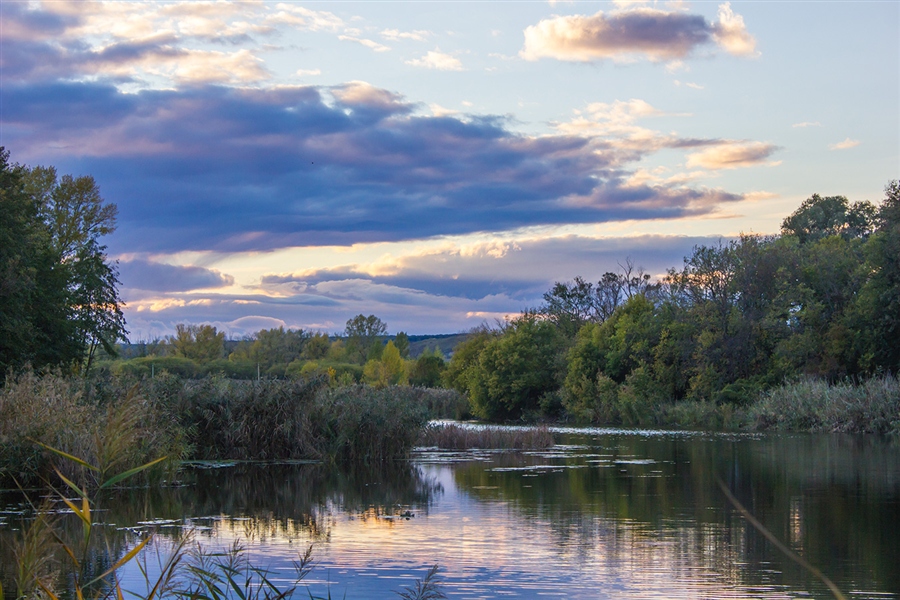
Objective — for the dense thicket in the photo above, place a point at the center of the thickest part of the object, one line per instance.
(58, 292)
(821, 299)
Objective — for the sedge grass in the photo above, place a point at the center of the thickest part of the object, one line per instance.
(450, 436)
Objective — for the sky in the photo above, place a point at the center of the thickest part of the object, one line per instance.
(438, 164)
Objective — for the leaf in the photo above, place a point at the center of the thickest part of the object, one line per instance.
(84, 517)
(74, 459)
(134, 552)
(117, 478)
(71, 484)
(47, 591)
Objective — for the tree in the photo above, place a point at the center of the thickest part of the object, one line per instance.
(878, 309)
(197, 342)
(59, 292)
(388, 370)
(820, 217)
(427, 370)
(401, 340)
(516, 369)
(362, 333)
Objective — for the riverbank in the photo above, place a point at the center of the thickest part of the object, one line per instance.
(121, 422)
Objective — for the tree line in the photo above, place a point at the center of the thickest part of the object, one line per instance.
(821, 299)
(364, 353)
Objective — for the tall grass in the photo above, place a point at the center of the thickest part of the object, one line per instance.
(64, 413)
(872, 406)
(450, 436)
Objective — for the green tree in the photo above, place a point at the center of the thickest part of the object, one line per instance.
(58, 293)
(390, 369)
(401, 340)
(428, 369)
(362, 334)
(820, 217)
(877, 313)
(201, 343)
(270, 347)
(316, 347)
(516, 369)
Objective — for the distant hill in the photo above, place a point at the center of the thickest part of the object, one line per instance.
(446, 342)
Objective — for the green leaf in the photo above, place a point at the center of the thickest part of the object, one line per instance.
(74, 459)
(117, 478)
(69, 483)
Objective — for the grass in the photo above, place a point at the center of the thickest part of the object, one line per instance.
(81, 420)
(872, 406)
(118, 422)
(450, 436)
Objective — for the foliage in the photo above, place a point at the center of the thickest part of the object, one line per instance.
(363, 337)
(738, 318)
(514, 370)
(401, 341)
(270, 347)
(427, 370)
(115, 429)
(197, 342)
(59, 301)
(390, 369)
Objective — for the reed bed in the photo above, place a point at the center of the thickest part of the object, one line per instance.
(871, 406)
(65, 413)
(450, 436)
(120, 422)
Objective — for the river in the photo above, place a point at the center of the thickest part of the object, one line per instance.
(604, 514)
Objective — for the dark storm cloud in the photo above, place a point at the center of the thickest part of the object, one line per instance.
(141, 274)
(221, 168)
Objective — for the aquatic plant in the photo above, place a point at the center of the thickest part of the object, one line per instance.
(870, 406)
(114, 429)
(450, 436)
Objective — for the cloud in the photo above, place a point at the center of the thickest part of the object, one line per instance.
(210, 167)
(807, 124)
(521, 269)
(443, 289)
(371, 44)
(396, 35)
(140, 274)
(846, 144)
(435, 59)
(732, 155)
(693, 86)
(657, 35)
(149, 45)
(731, 33)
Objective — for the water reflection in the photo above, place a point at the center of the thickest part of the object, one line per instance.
(603, 514)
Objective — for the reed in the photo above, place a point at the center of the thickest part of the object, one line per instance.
(450, 436)
(117, 433)
(870, 406)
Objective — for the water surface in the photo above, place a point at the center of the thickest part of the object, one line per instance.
(606, 513)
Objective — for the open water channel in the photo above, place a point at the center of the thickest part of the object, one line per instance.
(604, 514)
